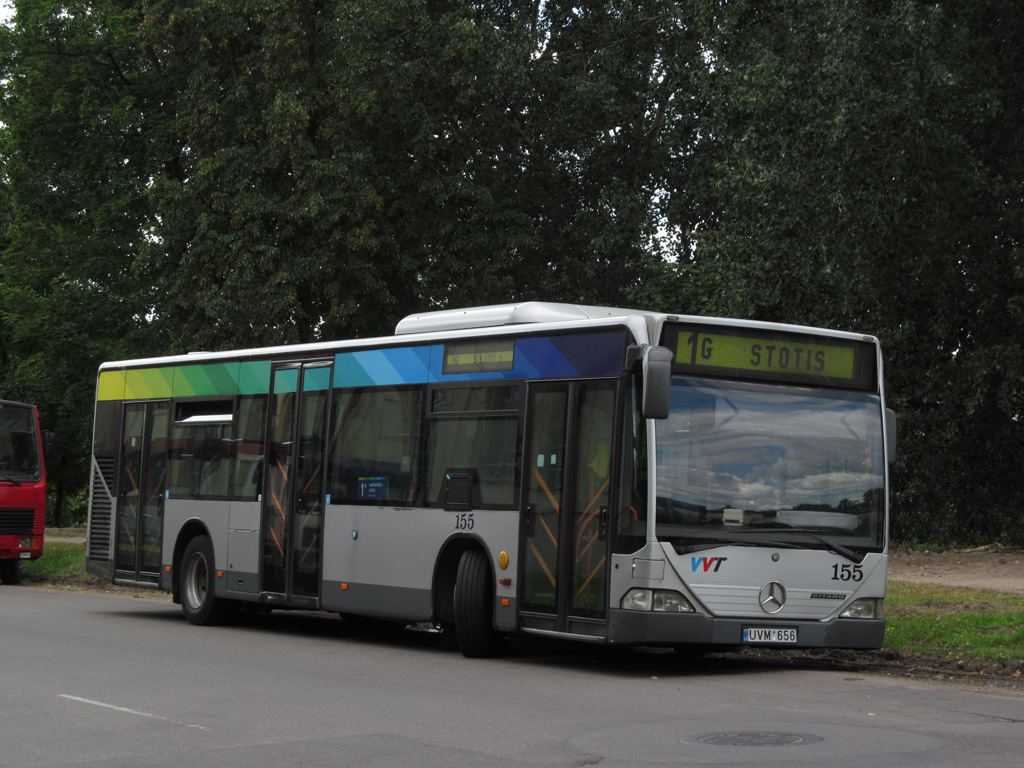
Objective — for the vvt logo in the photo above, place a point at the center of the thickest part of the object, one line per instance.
(708, 563)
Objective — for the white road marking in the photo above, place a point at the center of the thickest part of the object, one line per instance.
(128, 711)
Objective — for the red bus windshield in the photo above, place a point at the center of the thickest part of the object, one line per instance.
(19, 445)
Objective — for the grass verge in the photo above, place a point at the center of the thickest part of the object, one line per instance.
(959, 622)
(61, 564)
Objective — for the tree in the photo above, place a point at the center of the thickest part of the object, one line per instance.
(343, 164)
(262, 208)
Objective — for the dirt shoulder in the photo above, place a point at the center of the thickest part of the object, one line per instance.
(66, 535)
(989, 567)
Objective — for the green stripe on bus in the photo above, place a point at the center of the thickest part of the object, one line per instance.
(212, 379)
(202, 380)
(254, 378)
(148, 383)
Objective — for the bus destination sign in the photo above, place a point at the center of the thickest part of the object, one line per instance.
(768, 355)
(492, 356)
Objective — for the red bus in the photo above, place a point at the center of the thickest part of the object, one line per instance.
(22, 488)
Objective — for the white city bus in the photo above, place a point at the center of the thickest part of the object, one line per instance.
(605, 475)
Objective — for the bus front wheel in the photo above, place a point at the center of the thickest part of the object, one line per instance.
(10, 571)
(198, 602)
(474, 600)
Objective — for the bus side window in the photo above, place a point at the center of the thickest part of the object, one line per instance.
(201, 458)
(475, 429)
(249, 448)
(374, 445)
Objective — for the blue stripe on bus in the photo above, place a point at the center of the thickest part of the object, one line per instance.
(595, 354)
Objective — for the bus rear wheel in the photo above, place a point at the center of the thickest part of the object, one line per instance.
(474, 599)
(198, 602)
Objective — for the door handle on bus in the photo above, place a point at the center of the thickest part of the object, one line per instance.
(602, 523)
(531, 510)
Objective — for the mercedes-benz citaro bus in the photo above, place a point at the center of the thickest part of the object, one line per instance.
(605, 475)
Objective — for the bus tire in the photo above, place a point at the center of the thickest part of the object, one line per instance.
(10, 571)
(474, 599)
(198, 602)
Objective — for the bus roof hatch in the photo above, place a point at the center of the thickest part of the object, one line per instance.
(503, 314)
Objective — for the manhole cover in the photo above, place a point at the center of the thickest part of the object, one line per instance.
(753, 739)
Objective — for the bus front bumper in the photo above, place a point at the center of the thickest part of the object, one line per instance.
(23, 547)
(654, 628)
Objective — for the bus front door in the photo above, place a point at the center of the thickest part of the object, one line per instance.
(566, 497)
(140, 496)
(293, 494)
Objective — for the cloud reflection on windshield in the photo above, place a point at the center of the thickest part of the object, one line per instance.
(761, 449)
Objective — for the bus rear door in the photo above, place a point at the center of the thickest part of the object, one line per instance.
(140, 498)
(293, 495)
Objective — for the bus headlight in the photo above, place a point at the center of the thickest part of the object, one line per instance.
(865, 608)
(660, 600)
(27, 543)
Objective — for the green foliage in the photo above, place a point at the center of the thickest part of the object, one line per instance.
(75, 507)
(338, 165)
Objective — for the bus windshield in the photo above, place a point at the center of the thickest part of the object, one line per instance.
(767, 465)
(19, 445)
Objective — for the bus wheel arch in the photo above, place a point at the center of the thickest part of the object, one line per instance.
(194, 577)
(189, 531)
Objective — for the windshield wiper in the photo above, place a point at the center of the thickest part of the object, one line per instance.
(831, 546)
(837, 549)
(685, 548)
(11, 480)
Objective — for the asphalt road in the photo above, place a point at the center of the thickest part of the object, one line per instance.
(92, 679)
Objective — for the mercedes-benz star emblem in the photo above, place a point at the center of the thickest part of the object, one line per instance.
(772, 597)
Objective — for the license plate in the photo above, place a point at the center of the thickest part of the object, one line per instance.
(768, 635)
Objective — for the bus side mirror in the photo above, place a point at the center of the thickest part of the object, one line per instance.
(890, 434)
(49, 443)
(657, 378)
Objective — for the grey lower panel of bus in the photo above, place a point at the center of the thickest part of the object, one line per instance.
(405, 603)
(240, 581)
(651, 628)
(400, 603)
